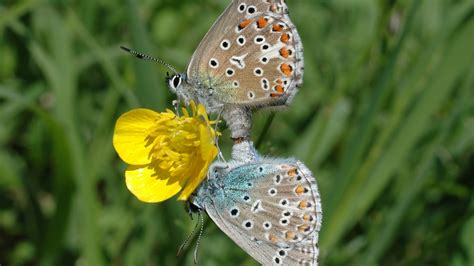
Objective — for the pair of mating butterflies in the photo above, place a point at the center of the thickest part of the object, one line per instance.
(251, 58)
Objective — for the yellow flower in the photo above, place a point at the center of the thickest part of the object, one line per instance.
(165, 152)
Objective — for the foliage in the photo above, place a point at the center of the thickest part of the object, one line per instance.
(385, 119)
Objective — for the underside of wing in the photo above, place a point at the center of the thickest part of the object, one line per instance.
(275, 217)
(251, 56)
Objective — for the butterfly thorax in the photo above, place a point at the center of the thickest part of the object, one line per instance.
(230, 184)
(196, 89)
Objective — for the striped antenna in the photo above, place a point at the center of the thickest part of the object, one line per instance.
(147, 57)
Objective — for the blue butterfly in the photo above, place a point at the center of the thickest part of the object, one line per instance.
(270, 207)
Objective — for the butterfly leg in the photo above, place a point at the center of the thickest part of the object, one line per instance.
(216, 169)
(176, 104)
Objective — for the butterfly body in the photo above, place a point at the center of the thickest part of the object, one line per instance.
(251, 58)
(271, 208)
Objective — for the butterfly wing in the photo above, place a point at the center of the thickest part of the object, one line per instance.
(251, 56)
(272, 210)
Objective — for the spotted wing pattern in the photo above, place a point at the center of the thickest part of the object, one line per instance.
(271, 209)
(252, 56)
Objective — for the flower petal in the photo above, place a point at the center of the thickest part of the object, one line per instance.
(194, 182)
(208, 149)
(208, 153)
(130, 136)
(144, 183)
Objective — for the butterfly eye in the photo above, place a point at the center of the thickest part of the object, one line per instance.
(175, 81)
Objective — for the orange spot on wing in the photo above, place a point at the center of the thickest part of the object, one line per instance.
(262, 22)
(277, 27)
(272, 238)
(286, 69)
(274, 95)
(290, 235)
(307, 217)
(303, 204)
(284, 52)
(299, 190)
(302, 228)
(279, 89)
(285, 37)
(244, 24)
(292, 172)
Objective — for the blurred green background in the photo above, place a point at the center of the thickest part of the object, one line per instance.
(385, 120)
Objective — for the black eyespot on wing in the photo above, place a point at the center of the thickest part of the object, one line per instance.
(234, 212)
(225, 44)
(278, 178)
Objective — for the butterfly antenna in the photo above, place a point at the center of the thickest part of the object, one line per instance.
(147, 57)
(188, 238)
(199, 238)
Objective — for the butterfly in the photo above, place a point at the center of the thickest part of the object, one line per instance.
(271, 208)
(252, 57)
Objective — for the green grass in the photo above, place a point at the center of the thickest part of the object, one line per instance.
(385, 120)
